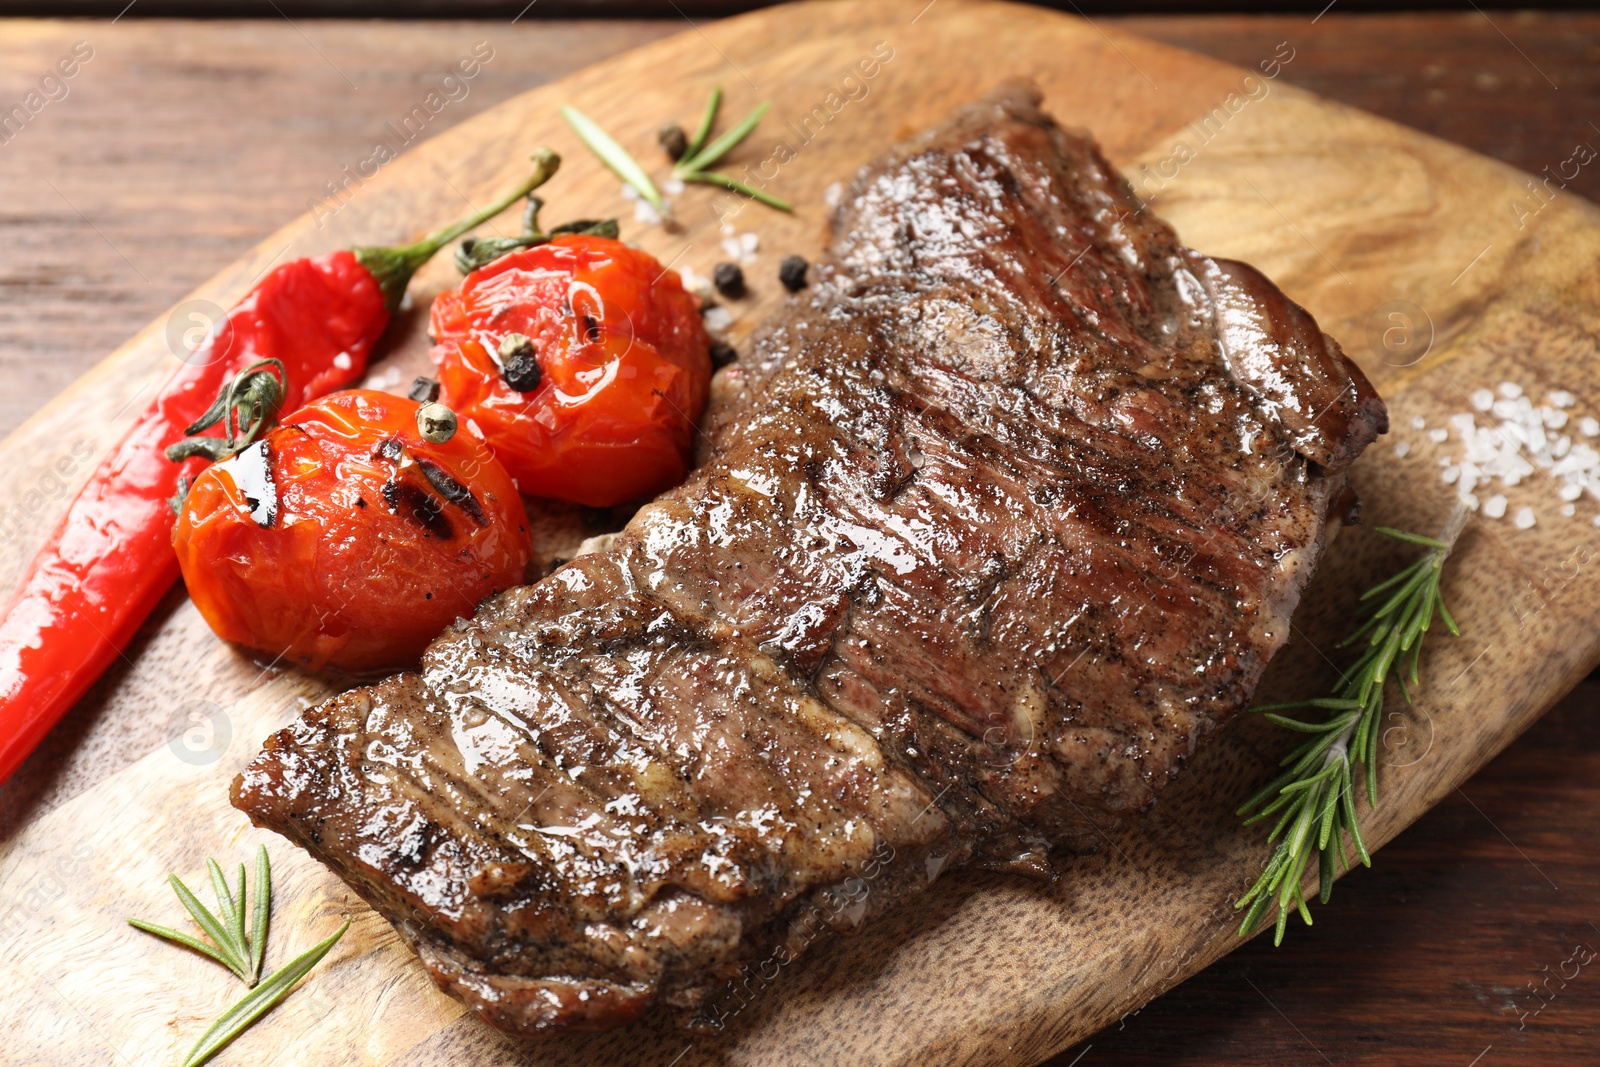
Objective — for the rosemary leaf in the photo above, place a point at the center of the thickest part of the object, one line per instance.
(612, 155)
(722, 145)
(1325, 703)
(238, 927)
(712, 178)
(181, 938)
(707, 121)
(1309, 727)
(263, 911)
(260, 1000)
(219, 885)
(1416, 539)
(213, 926)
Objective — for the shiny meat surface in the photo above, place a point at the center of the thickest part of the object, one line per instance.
(996, 521)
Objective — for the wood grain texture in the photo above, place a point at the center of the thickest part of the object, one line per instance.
(1015, 972)
(696, 9)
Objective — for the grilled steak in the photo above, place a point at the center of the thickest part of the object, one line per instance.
(996, 521)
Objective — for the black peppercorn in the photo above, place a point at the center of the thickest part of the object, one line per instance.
(722, 354)
(729, 279)
(519, 364)
(673, 141)
(792, 273)
(424, 390)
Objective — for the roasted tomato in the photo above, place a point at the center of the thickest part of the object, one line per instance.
(345, 537)
(584, 365)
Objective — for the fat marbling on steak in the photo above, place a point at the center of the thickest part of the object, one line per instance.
(993, 525)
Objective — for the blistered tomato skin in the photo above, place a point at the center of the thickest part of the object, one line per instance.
(363, 544)
(624, 366)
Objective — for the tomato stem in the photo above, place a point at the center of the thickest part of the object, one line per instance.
(393, 267)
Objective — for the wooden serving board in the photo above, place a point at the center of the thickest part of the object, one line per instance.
(1356, 218)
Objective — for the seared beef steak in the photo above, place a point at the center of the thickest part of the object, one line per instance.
(998, 519)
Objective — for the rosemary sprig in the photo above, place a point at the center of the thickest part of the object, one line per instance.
(691, 166)
(238, 951)
(613, 155)
(229, 945)
(1314, 797)
(699, 155)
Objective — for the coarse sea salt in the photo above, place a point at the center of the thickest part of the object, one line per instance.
(695, 282)
(1509, 440)
(717, 319)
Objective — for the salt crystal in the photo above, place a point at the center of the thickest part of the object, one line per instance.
(731, 248)
(1524, 519)
(1482, 399)
(1418, 422)
(717, 319)
(1554, 418)
(672, 187)
(1590, 426)
(1470, 500)
(1561, 398)
(1438, 436)
(1571, 491)
(832, 194)
(645, 212)
(1495, 506)
(629, 192)
(1569, 509)
(695, 282)
(749, 242)
(1510, 390)
(1402, 448)
(727, 229)
(1450, 475)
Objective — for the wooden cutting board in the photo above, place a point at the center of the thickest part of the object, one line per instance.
(1411, 251)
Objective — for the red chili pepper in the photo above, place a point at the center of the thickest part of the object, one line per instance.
(110, 560)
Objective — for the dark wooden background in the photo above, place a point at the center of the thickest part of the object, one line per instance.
(183, 143)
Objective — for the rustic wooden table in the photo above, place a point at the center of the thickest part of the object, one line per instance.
(178, 145)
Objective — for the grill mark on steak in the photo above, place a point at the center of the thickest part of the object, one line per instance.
(992, 525)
